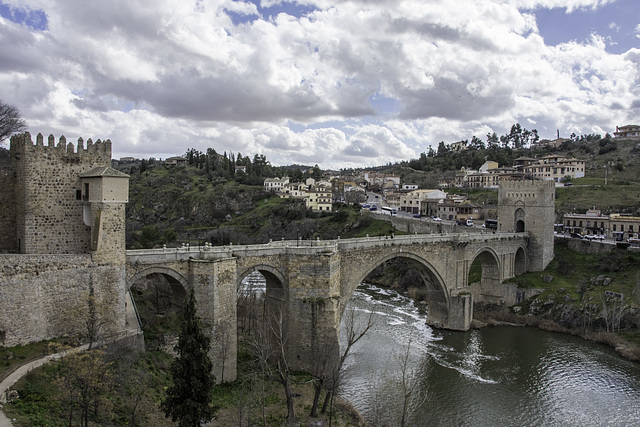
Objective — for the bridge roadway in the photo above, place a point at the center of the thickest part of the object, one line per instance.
(312, 280)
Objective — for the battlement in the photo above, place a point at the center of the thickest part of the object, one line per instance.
(23, 144)
(526, 184)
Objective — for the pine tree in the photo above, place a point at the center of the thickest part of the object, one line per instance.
(189, 397)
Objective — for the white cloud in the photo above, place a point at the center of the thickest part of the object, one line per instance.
(160, 77)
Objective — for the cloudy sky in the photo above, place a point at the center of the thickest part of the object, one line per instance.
(336, 83)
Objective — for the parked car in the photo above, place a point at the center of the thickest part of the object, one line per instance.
(366, 206)
(577, 236)
(417, 216)
(594, 237)
(461, 222)
(436, 219)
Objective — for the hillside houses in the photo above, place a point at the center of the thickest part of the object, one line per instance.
(627, 132)
(594, 222)
(317, 195)
(489, 175)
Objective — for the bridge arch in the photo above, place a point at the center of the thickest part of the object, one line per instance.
(484, 274)
(520, 261)
(159, 294)
(257, 306)
(167, 272)
(271, 274)
(436, 293)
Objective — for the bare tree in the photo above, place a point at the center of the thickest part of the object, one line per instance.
(400, 394)
(261, 348)
(10, 121)
(93, 319)
(411, 392)
(225, 342)
(333, 375)
(613, 308)
(281, 362)
(85, 378)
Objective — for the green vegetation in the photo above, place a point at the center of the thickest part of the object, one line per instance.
(585, 292)
(587, 193)
(573, 272)
(188, 398)
(12, 357)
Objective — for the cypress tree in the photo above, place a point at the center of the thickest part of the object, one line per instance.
(188, 399)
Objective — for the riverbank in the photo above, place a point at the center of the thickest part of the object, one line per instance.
(237, 403)
(499, 315)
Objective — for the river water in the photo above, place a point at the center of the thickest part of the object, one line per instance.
(495, 376)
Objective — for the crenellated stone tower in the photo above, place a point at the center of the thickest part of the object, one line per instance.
(62, 237)
(51, 207)
(529, 206)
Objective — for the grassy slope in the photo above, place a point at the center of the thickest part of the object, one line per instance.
(574, 272)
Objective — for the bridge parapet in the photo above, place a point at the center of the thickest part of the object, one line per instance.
(307, 247)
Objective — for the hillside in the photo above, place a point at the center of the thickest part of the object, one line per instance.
(176, 205)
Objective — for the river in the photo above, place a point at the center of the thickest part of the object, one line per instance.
(495, 376)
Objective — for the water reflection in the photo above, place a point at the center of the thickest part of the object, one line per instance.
(502, 376)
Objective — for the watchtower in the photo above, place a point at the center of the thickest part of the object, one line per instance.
(52, 209)
(529, 206)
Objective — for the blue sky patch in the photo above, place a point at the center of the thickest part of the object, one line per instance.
(616, 22)
(35, 19)
(290, 8)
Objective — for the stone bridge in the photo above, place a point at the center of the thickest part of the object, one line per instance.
(312, 281)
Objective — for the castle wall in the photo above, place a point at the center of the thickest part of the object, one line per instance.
(45, 296)
(8, 241)
(49, 213)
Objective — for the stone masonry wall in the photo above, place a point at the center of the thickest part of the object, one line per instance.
(49, 215)
(109, 234)
(7, 212)
(43, 295)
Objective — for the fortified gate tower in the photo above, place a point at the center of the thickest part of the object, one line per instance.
(529, 206)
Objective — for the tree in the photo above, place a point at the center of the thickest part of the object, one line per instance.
(97, 319)
(188, 399)
(329, 366)
(492, 140)
(281, 361)
(10, 121)
(84, 378)
(398, 397)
